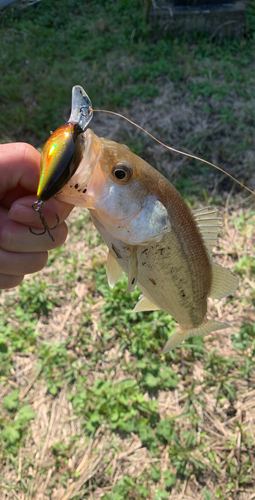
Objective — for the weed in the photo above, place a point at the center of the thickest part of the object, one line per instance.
(195, 95)
(119, 404)
(38, 296)
(126, 488)
(14, 429)
(17, 333)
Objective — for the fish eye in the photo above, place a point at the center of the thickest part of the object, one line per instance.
(122, 171)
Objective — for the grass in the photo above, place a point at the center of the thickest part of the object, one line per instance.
(89, 399)
(110, 49)
(90, 408)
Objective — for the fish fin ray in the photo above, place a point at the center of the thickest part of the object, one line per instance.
(132, 270)
(181, 334)
(113, 270)
(145, 304)
(224, 282)
(209, 226)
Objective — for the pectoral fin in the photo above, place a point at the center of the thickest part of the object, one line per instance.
(113, 270)
(181, 334)
(145, 304)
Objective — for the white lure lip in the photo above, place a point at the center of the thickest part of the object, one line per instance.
(81, 108)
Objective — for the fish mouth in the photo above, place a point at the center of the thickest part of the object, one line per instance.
(91, 145)
(88, 151)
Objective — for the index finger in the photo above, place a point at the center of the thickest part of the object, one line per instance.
(19, 165)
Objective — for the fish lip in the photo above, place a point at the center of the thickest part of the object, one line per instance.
(76, 191)
(89, 137)
(89, 158)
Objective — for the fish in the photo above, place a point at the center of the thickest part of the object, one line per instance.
(152, 235)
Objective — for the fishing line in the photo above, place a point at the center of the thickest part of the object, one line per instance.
(169, 147)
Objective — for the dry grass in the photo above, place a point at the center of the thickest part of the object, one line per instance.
(205, 105)
(100, 461)
(90, 467)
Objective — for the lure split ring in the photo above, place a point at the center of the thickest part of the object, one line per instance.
(88, 112)
(37, 207)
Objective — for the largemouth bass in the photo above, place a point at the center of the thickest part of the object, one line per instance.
(152, 235)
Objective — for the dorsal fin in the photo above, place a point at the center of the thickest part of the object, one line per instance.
(209, 225)
(224, 283)
(145, 304)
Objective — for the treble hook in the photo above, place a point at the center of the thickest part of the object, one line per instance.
(37, 207)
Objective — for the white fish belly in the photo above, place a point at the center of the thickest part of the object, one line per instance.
(164, 276)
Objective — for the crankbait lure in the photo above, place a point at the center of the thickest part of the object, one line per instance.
(62, 153)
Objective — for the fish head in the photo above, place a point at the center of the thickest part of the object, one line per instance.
(120, 189)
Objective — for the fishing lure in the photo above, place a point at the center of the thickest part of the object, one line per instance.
(62, 153)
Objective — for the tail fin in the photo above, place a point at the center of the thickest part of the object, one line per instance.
(181, 334)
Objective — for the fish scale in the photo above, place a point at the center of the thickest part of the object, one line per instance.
(173, 282)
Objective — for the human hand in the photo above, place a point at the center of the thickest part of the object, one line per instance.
(20, 251)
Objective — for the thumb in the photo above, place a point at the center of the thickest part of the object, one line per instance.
(19, 166)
